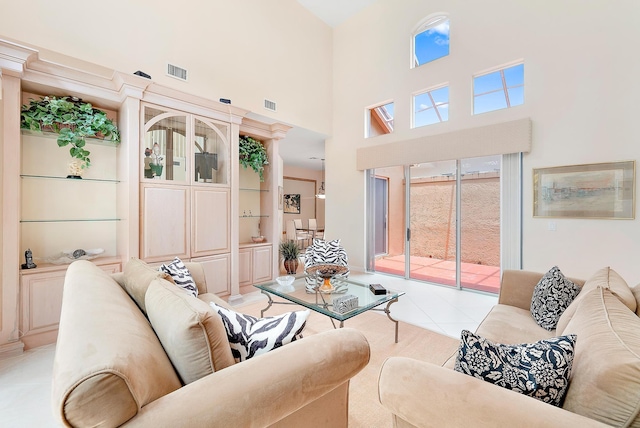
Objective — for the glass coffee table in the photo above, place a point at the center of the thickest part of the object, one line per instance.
(323, 302)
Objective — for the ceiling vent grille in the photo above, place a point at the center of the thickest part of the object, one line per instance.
(177, 72)
(269, 105)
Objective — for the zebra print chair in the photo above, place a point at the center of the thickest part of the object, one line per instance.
(326, 252)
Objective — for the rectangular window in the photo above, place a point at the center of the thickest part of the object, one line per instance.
(499, 89)
(431, 107)
(379, 120)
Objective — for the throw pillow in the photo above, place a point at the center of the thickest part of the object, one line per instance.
(540, 370)
(137, 276)
(551, 296)
(181, 276)
(190, 331)
(250, 336)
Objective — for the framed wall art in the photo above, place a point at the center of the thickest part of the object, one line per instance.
(599, 190)
(292, 203)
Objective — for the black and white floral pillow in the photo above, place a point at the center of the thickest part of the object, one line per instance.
(250, 336)
(181, 276)
(551, 296)
(540, 370)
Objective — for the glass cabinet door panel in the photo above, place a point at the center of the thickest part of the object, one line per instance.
(165, 145)
(210, 152)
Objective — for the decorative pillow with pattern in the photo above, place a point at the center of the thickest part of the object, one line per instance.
(250, 336)
(181, 276)
(326, 252)
(551, 296)
(540, 370)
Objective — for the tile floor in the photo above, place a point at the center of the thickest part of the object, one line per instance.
(25, 380)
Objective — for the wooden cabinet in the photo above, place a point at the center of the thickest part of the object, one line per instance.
(217, 271)
(255, 266)
(210, 219)
(41, 300)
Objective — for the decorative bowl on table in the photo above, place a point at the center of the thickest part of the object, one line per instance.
(285, 282)
(258, 239)
(326, 272)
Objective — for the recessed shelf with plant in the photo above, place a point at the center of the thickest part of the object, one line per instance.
(253, 154)
(73, 120)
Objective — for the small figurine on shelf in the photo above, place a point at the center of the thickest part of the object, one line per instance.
(29, 260)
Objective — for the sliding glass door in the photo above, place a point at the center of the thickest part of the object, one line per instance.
(442, 221)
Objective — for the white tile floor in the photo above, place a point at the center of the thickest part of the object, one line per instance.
(25, 380)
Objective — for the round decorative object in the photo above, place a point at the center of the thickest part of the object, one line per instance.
(258, 239)
(79, 253)
(326, 272)
(285, 283)
(291, 266)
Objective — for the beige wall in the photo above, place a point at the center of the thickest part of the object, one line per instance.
(242, 50)
(581, 94)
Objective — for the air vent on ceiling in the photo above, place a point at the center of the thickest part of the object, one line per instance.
(177, 72)
(269, 105)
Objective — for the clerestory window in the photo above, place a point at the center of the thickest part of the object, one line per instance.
(499, 89)
(379, 120)
(431, 106)
(430, 40)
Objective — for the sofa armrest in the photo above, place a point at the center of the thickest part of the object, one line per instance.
(427, 395)
(516, 287)
(265, 389)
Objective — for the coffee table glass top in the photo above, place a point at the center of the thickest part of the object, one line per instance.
(323, 302)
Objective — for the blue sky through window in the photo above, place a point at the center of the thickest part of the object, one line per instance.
(500, 89)
(431, 44)
(431, 107)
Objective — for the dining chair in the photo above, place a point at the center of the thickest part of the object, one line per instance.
(298, 237)
(313, 228)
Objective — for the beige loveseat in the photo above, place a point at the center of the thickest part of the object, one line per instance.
(605, 380)
(110, 368)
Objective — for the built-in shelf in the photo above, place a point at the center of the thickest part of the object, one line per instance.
(254, 190)
(54, 136)
(254, 216)
(50, 177)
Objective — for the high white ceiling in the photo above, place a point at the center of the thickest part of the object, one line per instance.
(304, 148)
(334, 12)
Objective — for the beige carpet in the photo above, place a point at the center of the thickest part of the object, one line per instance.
(413, 342)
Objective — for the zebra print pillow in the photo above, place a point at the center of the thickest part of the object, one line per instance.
(250, 336)
(327, 252)
(181, 276)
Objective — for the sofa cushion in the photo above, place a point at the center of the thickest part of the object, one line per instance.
(605, 383)
(250, 336)
(108, 362)
(540, 370)
(190, 331)
(551, 296)
(180, 276)
(636, 293)
(604, 278)
(137, 276)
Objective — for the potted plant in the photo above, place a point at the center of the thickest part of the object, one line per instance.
(289, 251)
(253, 154)
(72, 119)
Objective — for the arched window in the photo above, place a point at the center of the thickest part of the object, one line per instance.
(430, 39)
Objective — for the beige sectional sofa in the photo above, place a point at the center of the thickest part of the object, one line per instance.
(110, 368)
(604, 387)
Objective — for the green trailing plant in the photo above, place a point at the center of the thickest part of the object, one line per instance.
(253, 154)
(72, 119)
(289, 250)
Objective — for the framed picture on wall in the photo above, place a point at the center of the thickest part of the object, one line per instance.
(280, 197)
(292, 203)
(599, 190)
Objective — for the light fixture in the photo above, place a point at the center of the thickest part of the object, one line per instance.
(320, 194)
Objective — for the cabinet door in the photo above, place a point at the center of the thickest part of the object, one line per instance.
(261, 264)
(165, 223)
(217, 272)
(245, 275)
(210, 211)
